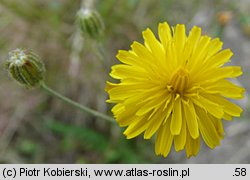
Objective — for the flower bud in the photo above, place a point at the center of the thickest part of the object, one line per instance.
(90, 23)
(224, 17)
(25, 67)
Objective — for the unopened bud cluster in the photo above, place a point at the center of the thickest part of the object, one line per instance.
(90, 23)
(25, 67)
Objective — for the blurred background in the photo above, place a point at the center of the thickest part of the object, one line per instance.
(36, 128)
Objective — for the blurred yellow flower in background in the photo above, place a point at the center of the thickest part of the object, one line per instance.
(175, 87)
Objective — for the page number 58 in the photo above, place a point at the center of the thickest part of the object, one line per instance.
(240, 172)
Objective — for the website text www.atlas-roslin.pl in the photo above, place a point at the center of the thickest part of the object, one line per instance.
(143, 172)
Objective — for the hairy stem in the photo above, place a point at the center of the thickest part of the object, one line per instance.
(50, 91)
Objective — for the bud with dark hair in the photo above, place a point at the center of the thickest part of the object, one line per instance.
(25, 67)
(90, 23)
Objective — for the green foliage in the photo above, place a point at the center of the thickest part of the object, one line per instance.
(90, 139)
(28, 147)
(122, 151)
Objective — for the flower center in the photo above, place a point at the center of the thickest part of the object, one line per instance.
(180, 80)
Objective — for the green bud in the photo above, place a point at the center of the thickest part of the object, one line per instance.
(25, 67)
(90, 23)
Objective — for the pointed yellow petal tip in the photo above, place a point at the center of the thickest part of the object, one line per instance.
(147, 34)
(237, 71)
(196, 28)
(160, 153)
(146, 136)
(148, 30)
(128, 135)
(163, 24)
(125, 134)
(228, 52)
(195, 31)
(164, 155)
(109, 101)
(239, 113)
(163, 29)
(134, 44)
(181, 26)
(109, 86)
(119, 54)
(243, 90)
(191, 155)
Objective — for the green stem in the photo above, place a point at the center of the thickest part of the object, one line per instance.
(75, 104)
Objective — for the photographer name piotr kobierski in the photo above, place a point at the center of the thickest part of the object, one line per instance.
(46, 172)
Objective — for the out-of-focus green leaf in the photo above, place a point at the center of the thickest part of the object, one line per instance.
(90, 138)
(28, 147)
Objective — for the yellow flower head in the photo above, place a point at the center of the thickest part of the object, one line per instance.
(175, 87)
